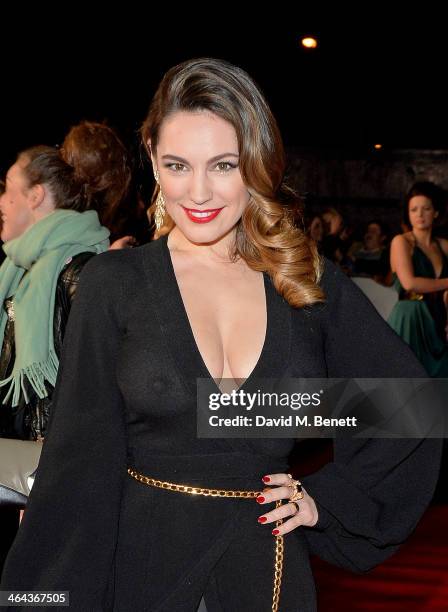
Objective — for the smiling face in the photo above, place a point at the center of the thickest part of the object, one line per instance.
(16, 204)
(421, 212)
(197, 160)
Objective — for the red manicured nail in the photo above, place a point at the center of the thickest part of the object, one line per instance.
(266, 479)
(275, 532)
(260, 499)
(262, 519)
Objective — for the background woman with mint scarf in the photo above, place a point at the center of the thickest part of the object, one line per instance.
(48, 236)
(90, 173)
(50, 230)
(47, 240)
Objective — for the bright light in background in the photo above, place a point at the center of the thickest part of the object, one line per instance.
(378, 146)
(309, 42)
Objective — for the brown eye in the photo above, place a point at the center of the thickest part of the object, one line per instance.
(176, 167)
(224, 166)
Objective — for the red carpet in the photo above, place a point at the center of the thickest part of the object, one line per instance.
(415, 578)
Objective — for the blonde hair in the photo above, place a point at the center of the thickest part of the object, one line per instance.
(266, 236)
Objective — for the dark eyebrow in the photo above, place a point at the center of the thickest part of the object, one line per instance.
(213, 159)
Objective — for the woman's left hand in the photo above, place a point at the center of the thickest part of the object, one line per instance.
(305, 514)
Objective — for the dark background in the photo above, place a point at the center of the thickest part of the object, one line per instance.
(374, 77)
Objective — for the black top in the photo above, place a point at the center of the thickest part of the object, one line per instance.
(126, 396)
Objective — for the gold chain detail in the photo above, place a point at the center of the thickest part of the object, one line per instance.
(170, 486)
(278, 565)
(279, 543)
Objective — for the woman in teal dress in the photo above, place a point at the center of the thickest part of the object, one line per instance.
(420, 265)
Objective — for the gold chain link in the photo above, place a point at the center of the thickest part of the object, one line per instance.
(279, 543)
(279, 549)
(171, 486)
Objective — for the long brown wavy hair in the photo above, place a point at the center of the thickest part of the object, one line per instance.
(266, 236)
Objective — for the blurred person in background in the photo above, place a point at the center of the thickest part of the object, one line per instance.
(419, 262)
(103, 165)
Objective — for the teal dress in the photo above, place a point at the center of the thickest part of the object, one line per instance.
(420, 318)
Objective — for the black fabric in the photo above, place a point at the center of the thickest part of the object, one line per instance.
(126, 396)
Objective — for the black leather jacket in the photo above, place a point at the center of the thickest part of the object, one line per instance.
(28, 421)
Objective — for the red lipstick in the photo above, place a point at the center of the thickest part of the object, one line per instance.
(202, 216)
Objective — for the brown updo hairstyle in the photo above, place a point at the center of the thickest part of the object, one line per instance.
(43, 165)
(266, 237)
(101, 164)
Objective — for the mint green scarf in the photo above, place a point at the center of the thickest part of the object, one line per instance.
(42, 249)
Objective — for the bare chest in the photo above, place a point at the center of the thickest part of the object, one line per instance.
(226, 309)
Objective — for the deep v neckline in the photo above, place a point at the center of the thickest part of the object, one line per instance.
(179, 335)
(205, 369)
(428, 259)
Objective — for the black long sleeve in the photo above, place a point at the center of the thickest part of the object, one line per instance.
(82, 467)
(372, 495)
(85, 515)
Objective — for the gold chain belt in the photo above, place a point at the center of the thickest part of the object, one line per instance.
(279, 544)
(413, 296)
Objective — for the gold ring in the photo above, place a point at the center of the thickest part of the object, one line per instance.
(297, 492)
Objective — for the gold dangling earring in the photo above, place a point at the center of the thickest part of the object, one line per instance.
(159, 212)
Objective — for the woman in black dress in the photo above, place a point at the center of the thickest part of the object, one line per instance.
(229, 291)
